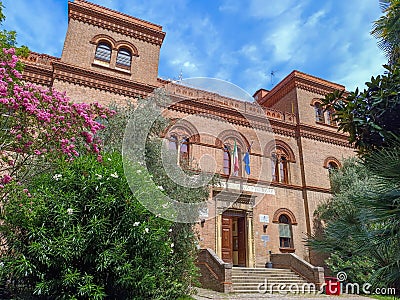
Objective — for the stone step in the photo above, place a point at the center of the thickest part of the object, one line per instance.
(288, 281)
(283, 280)
(274, 291)
(234, 269)
(274, 288)
(239, 286)
(238, 278)
(247, 280)
(265, 275)
(262, 279)
(262, 273)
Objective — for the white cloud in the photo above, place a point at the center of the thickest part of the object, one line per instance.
(315, 18)
(251, 52)
(283, 40)
(230, 6)
(190, 67)
(268, 8)
(35, 26)
(355, 70)
(233, 40)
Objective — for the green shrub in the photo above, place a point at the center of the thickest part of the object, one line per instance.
(358, 268)
(80, 233)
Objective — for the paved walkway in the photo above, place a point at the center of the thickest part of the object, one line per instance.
(204, 294)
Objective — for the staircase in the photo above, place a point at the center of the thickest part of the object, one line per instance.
(263, 280)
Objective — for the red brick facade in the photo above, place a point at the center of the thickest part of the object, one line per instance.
(308, 146)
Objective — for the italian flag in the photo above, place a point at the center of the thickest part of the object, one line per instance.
(235, 161)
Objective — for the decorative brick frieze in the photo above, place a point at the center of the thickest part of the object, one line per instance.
(302, 81)
(106, 18)
(38, 74)
(74, 74)
(326, 136)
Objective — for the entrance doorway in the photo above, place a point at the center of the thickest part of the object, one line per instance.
(234, 237)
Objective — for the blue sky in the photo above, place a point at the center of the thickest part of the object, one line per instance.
(235, 40)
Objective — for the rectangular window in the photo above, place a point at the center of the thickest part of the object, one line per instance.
(227, 163)
(273, 170)
(124, 58)
(284, 230)
(284, 242)
(285, 235)
(103, 52)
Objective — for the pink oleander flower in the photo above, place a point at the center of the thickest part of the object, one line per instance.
(6, 179)
(46, 121)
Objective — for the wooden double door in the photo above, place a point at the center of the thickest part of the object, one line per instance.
(234, 238)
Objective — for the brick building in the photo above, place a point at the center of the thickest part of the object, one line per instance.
(109, 56)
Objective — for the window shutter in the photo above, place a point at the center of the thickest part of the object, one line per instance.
(103, 52)
(124, 57)
(284, 231)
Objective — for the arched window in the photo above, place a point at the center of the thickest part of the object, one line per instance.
(331, 163)
(332, 166)
(184, 152)
(181, 147)
(319, 113)
(231, 165)
(227, 161)
(103, 52)
(124, 58)
(173, 143)
(280, 166)
(237, 164)
(281, 156)
(285, 232)
(330, 118)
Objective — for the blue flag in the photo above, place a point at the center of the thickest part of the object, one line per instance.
(246, 160)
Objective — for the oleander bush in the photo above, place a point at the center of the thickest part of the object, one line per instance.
(80, 233)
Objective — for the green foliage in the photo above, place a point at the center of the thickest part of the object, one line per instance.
(358, 268)
(8, 39)
(362, 220)
(383, 213)
(380, 297)
(387, 29)
(372, 117)
(113, 134)
(344, 221)
(80, 233)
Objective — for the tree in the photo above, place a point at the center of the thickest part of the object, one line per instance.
(362, 220)
(80, 233)
(39, 124)
(372, 117)
(8, 39)
(87, 202)
(383, 205)
(76, 230)
(387, 29)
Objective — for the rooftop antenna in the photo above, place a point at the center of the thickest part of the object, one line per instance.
(273, 77)
(180, 76)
